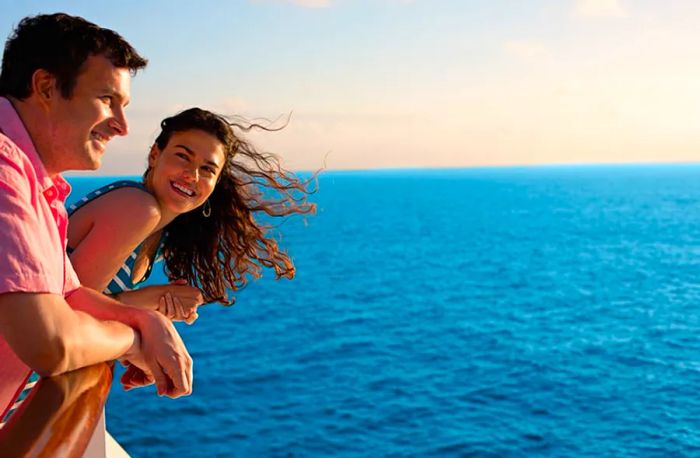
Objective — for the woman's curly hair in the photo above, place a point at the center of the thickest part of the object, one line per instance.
(223, 250)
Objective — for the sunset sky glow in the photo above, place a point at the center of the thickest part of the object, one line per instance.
(417, 83)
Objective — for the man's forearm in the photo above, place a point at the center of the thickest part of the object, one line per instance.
(95, 341)
(104, 307)
(52, 338)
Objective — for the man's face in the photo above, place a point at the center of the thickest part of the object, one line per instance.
(81, 126)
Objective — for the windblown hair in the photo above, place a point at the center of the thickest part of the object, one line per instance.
(230, 246)
(60, 44)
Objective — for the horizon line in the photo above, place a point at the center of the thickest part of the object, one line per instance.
(97, 174)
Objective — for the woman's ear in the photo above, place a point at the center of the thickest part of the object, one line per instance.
(153, 155)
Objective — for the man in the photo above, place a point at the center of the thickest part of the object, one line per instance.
(64, 84)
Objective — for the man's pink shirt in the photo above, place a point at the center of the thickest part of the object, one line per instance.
(33, 219)
(33, 231)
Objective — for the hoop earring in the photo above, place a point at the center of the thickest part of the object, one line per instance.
(206, 209)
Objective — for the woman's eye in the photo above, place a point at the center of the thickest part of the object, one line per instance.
(106, 99)
(182, 156)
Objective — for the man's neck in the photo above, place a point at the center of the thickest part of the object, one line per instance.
(33, 120)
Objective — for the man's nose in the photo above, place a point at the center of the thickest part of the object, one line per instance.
(119, 122)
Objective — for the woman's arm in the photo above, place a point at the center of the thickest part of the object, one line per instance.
(118, 222)
(177, 301)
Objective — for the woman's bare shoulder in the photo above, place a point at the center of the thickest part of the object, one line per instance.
(130, 203)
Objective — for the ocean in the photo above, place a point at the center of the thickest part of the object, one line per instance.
(494, 312)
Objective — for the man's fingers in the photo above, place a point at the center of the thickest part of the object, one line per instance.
(180, 374)
(179, 383)
(135, 377)
(161, 384)
(126, 377)
(165, 354)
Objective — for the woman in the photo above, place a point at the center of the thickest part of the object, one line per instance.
(195, 210)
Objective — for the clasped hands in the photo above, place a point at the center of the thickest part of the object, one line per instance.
(158, 354)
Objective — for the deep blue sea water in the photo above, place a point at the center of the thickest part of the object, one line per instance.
(486, 312)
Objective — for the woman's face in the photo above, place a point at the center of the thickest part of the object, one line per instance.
(183, 175)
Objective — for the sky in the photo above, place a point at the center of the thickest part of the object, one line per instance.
(415, 83)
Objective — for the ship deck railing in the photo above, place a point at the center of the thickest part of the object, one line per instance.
(63, 416)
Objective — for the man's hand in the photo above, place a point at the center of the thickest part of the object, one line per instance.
(157, 351)
(134, 377)
(161, 358)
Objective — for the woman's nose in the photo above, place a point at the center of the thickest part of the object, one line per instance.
(192, 173)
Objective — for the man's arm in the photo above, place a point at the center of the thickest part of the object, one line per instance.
(162, 351)
(51, 338)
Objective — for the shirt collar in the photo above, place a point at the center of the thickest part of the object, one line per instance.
(12, 126)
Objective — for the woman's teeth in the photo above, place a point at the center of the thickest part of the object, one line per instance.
(182, 189)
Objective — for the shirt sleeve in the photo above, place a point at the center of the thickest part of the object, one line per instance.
(23, 238)
(72, 282)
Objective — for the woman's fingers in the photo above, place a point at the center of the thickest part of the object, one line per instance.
(162, 306)
(192, 317)
(181, 304)
(170, 306)
(180, 314)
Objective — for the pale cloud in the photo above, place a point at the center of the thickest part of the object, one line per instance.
(599, 8)
(311, 3)
(525, 50)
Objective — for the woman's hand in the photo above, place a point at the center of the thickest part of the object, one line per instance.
(180, 302)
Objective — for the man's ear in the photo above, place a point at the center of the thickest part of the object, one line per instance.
(44, 87)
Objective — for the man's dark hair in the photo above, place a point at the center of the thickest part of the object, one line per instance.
(60, 44)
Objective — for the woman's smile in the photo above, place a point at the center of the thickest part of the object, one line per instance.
(183, 189)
